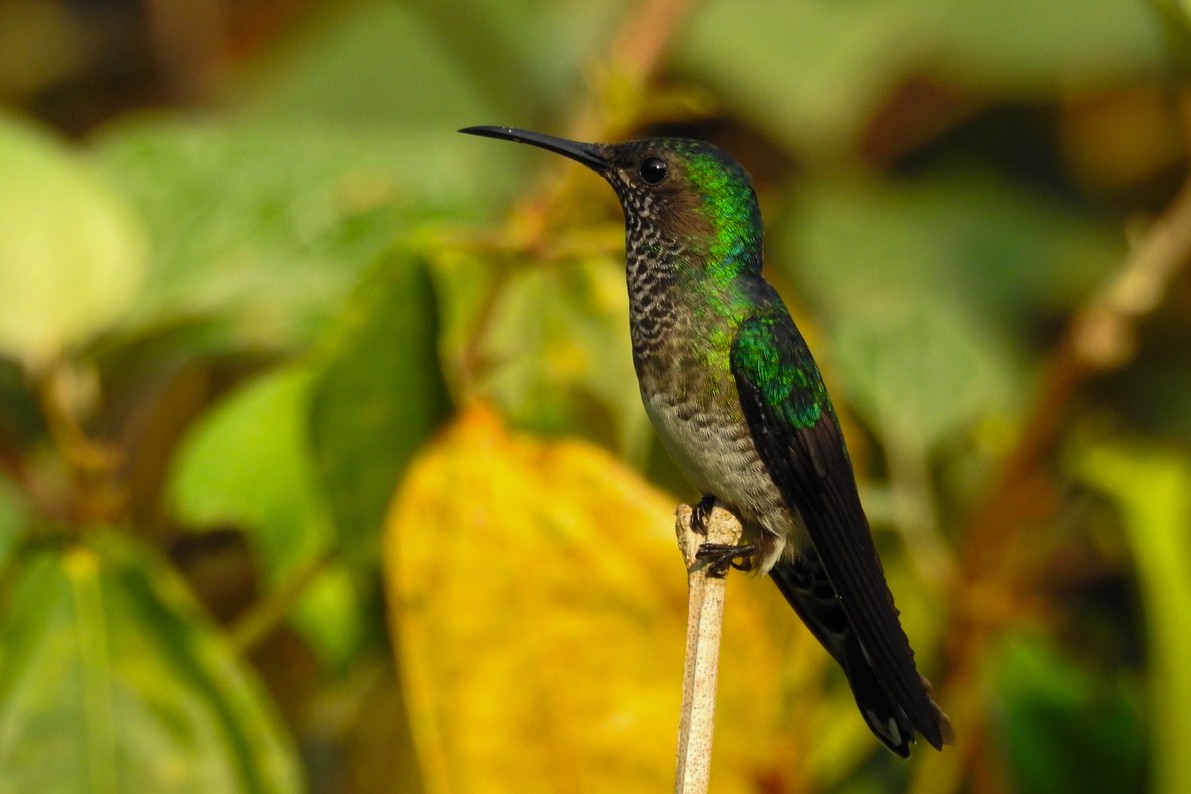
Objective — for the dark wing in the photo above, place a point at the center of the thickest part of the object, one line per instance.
(803, 582)
(799, 439)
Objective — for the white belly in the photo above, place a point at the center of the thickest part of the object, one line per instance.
(720, 459)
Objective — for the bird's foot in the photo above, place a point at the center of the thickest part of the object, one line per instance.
(700, 513)
(722, 556)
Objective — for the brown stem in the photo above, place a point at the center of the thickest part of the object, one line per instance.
(267, 614)
(635, 53)
(99, 496)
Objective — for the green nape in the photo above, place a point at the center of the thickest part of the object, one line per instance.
(730, 206)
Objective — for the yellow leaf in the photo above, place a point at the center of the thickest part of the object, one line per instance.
(538, 604)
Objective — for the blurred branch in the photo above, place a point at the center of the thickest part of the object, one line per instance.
(13, 465)
(705, 618)
(98, 496)
(1101, 337)
(271, 611)
(1103, 334)
(634, 55)
(189, 46)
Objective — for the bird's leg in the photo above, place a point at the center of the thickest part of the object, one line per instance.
(721, 556)
(700, 512)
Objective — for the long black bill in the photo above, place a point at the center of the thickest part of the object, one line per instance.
(587, 153)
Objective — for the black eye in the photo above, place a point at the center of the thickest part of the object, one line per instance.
(653, 170)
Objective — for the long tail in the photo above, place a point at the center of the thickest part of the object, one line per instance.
(807, 589)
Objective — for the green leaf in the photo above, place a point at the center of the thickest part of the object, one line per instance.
(116, 681)
(249, 464)
(1066, 728)
(555, 350)
(378, 394)
(920, 373)
(934, 288)
(72, 251)
(813, 74)
(1030, 47)
(433, 65)
(314, 205)
(1175, 19)
(967, 238)
(1152, 489)
(809, 73)
(309, 210)
(14, 519)
(396, 67)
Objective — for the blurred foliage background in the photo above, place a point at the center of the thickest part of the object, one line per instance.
(322, 465)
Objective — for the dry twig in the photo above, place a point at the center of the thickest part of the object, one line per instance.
(705, 616)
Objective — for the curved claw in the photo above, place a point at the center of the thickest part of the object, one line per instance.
(700, 512)
(721, 556)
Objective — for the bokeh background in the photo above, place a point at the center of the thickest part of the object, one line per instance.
(322, 464)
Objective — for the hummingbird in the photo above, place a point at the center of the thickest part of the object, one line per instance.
(739, 404)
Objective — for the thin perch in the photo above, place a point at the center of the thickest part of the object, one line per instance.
(705, 615)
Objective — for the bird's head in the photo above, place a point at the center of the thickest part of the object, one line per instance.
(673, 190)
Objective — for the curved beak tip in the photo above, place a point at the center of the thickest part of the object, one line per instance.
(491, 132)
(586, 153)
